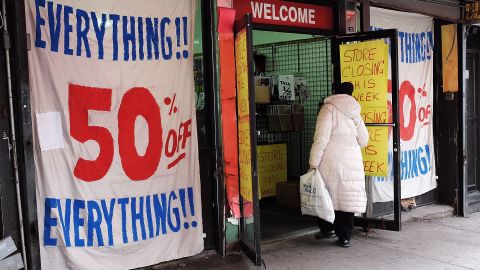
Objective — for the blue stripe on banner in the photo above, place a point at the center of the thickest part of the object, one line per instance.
(92, 221)
(157, 34)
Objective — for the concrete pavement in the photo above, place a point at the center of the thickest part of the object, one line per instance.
(440, 243)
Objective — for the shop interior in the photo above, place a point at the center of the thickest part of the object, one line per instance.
(293, 74)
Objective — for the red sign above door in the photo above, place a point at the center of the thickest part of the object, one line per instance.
(292, 14)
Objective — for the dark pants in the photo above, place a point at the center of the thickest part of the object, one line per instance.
(343, 225)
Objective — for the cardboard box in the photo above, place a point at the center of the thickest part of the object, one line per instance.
(288, 194)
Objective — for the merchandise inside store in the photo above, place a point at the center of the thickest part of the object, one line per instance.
(293, 74)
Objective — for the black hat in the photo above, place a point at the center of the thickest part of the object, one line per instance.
(344, 88)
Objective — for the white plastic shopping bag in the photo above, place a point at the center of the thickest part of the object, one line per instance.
(314, 197)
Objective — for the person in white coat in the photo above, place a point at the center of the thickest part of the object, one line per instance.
(340, 134)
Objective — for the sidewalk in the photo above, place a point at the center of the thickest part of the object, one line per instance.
(442, 243)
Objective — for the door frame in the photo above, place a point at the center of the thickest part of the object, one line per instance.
(212, 181)
(252, 250)
(392, 34)
(9, 221)
(23, 129)
(472, 197)
(462, 202)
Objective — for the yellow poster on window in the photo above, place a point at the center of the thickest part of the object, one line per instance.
(272, 167)
(245, 160)
(375, 154)
(243, 110)
(365, 65)
(450, 58)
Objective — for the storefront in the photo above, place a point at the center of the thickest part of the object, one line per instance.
(280, 86)
(76, 210)
(269, 210)
(259, 81)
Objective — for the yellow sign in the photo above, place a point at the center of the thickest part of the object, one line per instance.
(272, 168)
(244, 139)
(375, 155)
(450, 58)
(365, 65)
(245, 159)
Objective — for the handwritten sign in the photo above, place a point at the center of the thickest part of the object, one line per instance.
(245, 160)
(272, 167)
(365, 65)
(286, 87)
(375, 155)
(244, 146)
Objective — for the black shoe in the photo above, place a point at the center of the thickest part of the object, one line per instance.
(343, 243)
(325, 235)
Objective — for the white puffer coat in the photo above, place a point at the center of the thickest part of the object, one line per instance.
(339, 135)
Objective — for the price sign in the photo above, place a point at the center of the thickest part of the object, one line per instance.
(116, 146)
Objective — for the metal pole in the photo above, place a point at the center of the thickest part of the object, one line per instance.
(6, 40)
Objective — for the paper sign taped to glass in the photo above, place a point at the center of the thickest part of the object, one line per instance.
(365, 65)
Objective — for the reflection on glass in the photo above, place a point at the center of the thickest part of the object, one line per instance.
(373, 91)
(380, 190)
(199, 93)
(199, 88)
(244, 137)
(249, 222)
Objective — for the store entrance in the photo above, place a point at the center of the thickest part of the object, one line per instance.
(292, 76)
(281, 83)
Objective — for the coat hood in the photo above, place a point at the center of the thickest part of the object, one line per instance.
(346, 104)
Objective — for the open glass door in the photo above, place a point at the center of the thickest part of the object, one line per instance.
(249, 203)
(370, 61)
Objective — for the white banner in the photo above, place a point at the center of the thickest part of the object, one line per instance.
(415, 57)
(115, 138)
